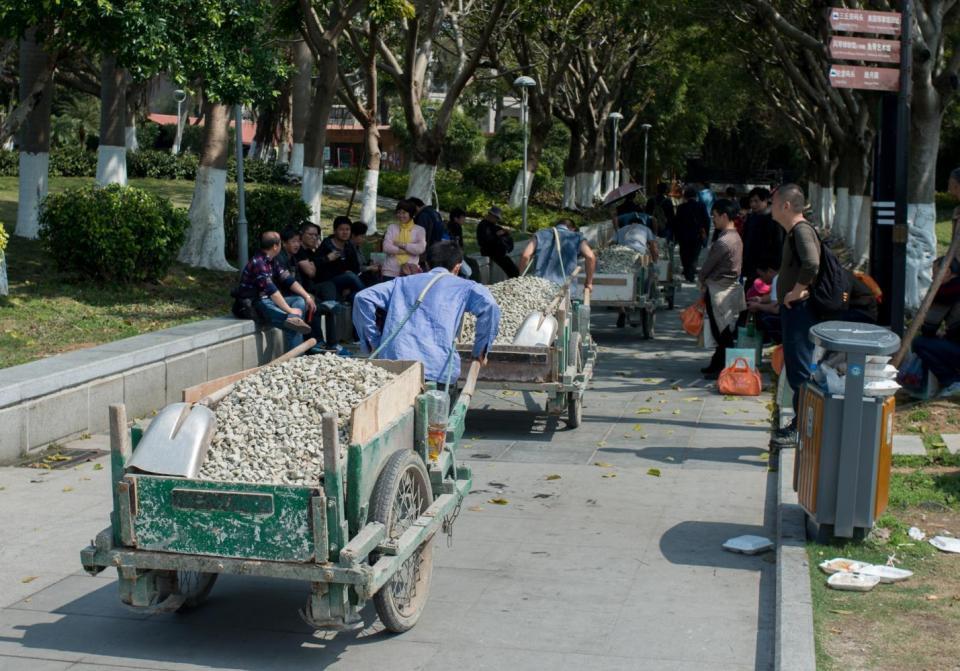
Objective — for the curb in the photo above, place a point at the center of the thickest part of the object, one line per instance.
(794, 643)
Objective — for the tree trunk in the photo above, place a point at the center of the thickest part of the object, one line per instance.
(112, 152)
(316, 136)
(130, 128)
(423, 166)
(368, 207)
(300, 114)
(204, 245)
(589, 174)
(539, 130)
(34, 137)
(570, 166)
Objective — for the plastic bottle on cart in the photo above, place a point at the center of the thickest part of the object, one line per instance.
(438, 409)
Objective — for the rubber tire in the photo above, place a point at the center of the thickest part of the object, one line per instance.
(574, 409)
(647, 323)
(197, 594)
(384, 494)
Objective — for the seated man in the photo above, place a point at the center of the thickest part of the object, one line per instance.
(941, 354)
(262, 280)
(369, 272)
(290, 246)
(863, 303)
(338, 262)
(764, 304)
(557, 263)
(496, 243)
(425, 331)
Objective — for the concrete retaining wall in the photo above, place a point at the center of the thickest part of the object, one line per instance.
(67, 395)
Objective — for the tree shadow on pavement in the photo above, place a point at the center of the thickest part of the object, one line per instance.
(680, 455)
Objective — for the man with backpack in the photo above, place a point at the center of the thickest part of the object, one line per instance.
(799, 269)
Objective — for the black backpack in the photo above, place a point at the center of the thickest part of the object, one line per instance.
(830, 292)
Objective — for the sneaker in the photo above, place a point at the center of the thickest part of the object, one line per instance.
(297, 325)
(951, 391)
(785, 437)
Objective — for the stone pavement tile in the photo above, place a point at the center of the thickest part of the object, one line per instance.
(465, 657)
(609, 663)
(546, 454)
(80, 595)
(953, 442)
(12, 585)
(463, 586)
(32, 664)
(399, 654)
(908, 445)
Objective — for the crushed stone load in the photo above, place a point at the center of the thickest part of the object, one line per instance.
(617, 259)
(269, 428)
(517, 298)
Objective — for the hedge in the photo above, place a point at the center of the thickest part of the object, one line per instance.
(267, 208)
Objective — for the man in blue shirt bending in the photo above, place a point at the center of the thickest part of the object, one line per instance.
(428, 335)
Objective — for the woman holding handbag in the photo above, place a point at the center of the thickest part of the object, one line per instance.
(722, 292)
(403, 243)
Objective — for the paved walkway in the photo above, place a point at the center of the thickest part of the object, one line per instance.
(588, 571)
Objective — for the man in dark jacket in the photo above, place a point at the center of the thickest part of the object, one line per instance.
(690, 228)
(762, 236)
(941, 355)
(429, 220)
(660, 207)
(495, 242)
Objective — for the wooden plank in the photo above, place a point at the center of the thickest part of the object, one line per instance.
(386, 405)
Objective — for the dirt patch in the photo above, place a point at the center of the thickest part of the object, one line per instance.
(931, 470)
(933, 416)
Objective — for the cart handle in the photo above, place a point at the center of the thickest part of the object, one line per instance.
(586, 296)
(471, 383)
(555, 303)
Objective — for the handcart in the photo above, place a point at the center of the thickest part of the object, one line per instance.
(636, 291)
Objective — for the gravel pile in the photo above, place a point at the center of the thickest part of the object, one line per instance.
(517, 298)
(616, 259)
(269, 429)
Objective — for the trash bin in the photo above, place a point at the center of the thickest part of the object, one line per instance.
(846, 435)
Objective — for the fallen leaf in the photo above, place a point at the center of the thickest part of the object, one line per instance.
(662, 400)
(602, 464)
(609, 475)
(675, 387)
(499, 501)
(729, 398)
(644, 411)
(670, 432)
(68, 489)
(729, 412)
(764, 457)
(602, 443)
(931, 597)
(638, 427)
(476, 509)
(655, 472)
(553, 476)
(98, 467)
(691, 399)
(29, 578)
(676, 412)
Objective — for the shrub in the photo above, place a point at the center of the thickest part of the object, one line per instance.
(945, 200)
(498, 178)
(148, 135)
(262, 172)
(4, 239)
(160, 164)
(267, 208)
(9, 163)
(114, 233)
(73, 161)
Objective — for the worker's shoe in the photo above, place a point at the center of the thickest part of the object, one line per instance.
(297, 325)
(785, 437)
(951, 391)
(621, 320)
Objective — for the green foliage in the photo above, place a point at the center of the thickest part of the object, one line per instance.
(258, 171)
(507, 144)
(148, 134)
(945, 200)
(4, 239)
(76, 120)
(9, 163)
(117, 234)
(498, 178)
(462, 142)
(268, 208)
(161, 164)
(72, 161)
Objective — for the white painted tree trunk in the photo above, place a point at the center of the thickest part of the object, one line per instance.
(252, 150)
(423, 178)
(4, 285)
(516, 194)
(368, 202)
(8, 145)
(569, 192)
(611, 181)
(597, 184)
(311, 192)
(111, 165)
(296, 159)
(284, 155)
(841, 221)
(624, 176)
(860, 207)
(33, 183)
(921, 251)
(204, 245)
(130, 137)
(588, 188)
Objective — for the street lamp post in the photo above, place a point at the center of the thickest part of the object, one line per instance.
(242, 237)
(524, 83)
(615, 117)
(646, 137)
(179, 95)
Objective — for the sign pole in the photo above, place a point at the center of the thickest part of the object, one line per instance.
(898, 286)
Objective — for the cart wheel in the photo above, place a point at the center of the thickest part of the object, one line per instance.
(647, 323)
(574, 409)
(401, 495)
(186, 590)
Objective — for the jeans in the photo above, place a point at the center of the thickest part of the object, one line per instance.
(795, 323)
(347, 281)
(276, 317)
(941, 357)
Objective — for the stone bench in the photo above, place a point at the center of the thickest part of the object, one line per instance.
(64, 396)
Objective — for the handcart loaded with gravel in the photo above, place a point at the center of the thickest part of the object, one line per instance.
(314, 468)
(559, 363)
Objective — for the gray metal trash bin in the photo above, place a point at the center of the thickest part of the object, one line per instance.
(845, 445)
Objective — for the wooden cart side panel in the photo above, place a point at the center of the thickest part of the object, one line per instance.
(229, 519)
(364, 463)
(885, 459)
(389, 403)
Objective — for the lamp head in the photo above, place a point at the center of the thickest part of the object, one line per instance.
(615, 116)
(524, 82)
(179, 95)
(646, 127)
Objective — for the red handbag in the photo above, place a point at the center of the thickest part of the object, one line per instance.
(739, 379)
(692, 318)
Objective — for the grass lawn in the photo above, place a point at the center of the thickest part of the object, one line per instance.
(914, 624)
(47, 312)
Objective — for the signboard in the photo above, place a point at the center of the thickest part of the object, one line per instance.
(865, 78)
(862, 21)
(865, 49)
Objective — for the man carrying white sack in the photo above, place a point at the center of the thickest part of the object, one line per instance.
(423, 315)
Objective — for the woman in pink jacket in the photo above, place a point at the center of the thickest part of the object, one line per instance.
(403, 243)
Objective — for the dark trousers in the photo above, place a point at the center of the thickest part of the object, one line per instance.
(689, 251)
(724, 339)
(941, 357)
(795, 323)
(507, 265)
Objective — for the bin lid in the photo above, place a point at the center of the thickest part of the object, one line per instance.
(855, 338)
